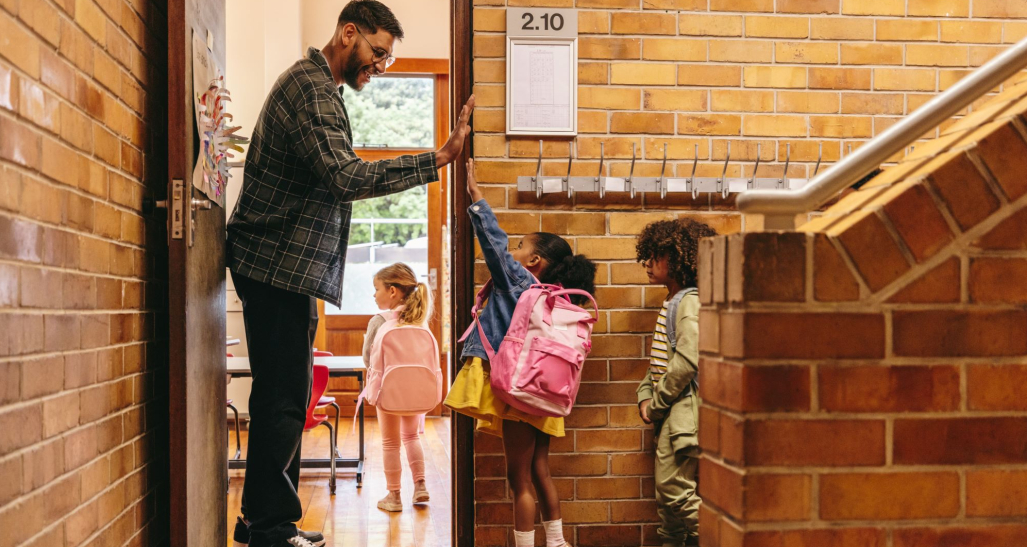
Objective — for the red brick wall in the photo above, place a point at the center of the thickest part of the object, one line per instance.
(82, 423)
(868, 390)
(710, 72)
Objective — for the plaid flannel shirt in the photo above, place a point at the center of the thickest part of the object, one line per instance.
(290, 226)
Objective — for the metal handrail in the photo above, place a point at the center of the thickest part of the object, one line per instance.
(780, 207)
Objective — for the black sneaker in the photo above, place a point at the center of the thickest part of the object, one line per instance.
(298, 541)
(241, 536)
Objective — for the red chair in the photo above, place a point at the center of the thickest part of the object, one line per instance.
(327, 401)
(317, 390)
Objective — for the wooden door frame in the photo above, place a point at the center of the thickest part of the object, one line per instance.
(462, 278)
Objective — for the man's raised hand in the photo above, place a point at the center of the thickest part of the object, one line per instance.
(455, 145)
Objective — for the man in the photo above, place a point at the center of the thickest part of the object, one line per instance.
(287, 241)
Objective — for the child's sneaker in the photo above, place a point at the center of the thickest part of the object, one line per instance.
(421, 493)
(391, 503)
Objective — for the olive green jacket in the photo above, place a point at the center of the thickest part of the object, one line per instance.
(675, 399)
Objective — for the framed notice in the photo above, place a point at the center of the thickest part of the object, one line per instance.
(542, 72)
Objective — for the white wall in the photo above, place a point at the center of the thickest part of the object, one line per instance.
(425, 23)
(265, 37)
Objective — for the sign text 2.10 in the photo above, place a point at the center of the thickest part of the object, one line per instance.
(549, 21)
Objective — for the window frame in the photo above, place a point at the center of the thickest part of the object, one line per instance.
(438, 192)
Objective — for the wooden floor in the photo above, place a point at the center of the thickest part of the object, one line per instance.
(351, 518)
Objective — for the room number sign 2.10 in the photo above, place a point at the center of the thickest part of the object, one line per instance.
(542, 72)
(542, 22)
(549, 21)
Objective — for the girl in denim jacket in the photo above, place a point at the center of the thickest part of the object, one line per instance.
(549, 259)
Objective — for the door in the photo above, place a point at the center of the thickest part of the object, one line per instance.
(420, 87)
(196, 302)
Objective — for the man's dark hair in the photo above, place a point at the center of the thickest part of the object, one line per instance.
(678, 240)
(370, 16)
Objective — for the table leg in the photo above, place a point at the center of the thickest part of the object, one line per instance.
(360, 468)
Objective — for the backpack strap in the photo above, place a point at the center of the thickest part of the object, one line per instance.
(479, 303)
(672, 316)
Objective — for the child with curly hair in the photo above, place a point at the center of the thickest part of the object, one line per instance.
(668, 395)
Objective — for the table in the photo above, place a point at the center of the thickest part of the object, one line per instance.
(338, 367)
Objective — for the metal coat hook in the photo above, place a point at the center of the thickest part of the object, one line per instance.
(820, 154)
(759, 151)
(691, 179)
(631, 172)
(663, 170)
(723, 188)
(537, 179)
(599, 177)
(788, 158)
(567, 179)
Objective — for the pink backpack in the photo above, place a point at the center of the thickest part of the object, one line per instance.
(537, 368)
(404, 377)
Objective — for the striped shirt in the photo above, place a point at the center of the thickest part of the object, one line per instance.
(658, 355)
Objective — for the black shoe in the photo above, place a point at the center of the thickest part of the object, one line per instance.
(241, 536)
(299, 541)
(691, 541)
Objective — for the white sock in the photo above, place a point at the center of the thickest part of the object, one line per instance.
(554, 533)
(524, 539)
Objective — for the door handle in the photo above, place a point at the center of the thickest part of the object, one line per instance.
(196, 204)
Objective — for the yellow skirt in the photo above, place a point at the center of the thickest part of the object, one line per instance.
(471, 394)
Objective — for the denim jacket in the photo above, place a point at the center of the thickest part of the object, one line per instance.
(509, 281)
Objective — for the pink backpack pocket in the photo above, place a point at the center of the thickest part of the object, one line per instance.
(552, 372)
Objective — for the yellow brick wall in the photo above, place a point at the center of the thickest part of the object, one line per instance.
(686, 73)
(83, 425)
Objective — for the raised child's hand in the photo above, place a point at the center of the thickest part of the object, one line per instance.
(472, 183)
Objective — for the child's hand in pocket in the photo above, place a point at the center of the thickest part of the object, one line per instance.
(472, 183)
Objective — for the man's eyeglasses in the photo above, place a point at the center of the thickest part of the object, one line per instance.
(378, 53)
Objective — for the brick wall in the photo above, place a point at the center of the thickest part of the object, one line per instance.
(82, 426)
(708, 72)
(869, 391)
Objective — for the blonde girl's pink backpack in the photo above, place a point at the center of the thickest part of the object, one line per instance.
(404, 376)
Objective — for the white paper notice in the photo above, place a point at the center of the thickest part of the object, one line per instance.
(541, 86)
(552, 186)
(677, 185)
(615, 184)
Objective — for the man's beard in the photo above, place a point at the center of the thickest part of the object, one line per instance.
(352, 75)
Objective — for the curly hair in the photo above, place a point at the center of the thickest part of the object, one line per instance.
(678, 240)
(565, 268)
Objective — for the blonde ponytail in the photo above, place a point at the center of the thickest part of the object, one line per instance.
(417, 297)
(417, 306)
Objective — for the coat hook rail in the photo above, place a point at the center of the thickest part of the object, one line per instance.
(664, 184)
